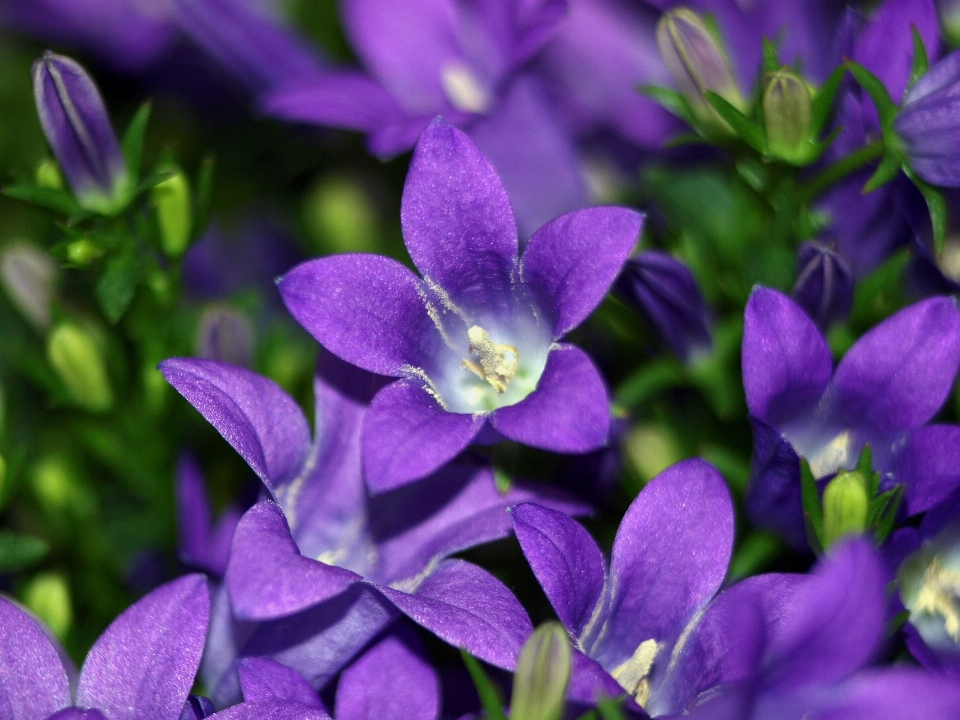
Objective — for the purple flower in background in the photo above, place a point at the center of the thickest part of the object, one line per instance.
(669, 559)
(883, 392)
(476, 341)
(202, 545)
(78, 129)
(665, 291)
(317, 572)
(824, 286)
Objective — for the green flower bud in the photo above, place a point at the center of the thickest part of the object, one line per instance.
(543, 670)
(77, 361)
(787, 104)
(339, 216)
(845, 505)
(48, 175)
(171, 198)
(48, 596)
(29, 276)
(949, 11)
(83, 252)
(696, 61)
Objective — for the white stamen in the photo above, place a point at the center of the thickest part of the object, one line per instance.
(939, 595)
(836, 454)
(494, 366)
(463, 89)
(633, 674)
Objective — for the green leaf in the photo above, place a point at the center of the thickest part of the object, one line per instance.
(877, 91)
(20, 551)
(609, 709)
(865, 467)
(116, 286)
(884, 524)
(151, 181)
(489, 695)
(823, 101)
(812, 508)
(671, 101)
(771, 61)
(895, 623)
(204, 196)
(743, 126)
(132, 145)
(920, 64)
(59, 201)
(886, 171)
(936, 204)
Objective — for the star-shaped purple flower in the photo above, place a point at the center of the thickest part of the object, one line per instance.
(883, 392)
(475, 342)
(321, 568)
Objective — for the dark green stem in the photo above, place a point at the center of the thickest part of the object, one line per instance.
(841, 169)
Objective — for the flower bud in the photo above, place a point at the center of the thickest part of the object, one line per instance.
(78, 129)
(666, 293)
(197, 707)
(48, 175)
(543, 670)
(77, 361)
(825, 284)
(171, 199)
(225, 334)
(28, 277)
(340, 216)
(949, 11)
(48, 596)
(845, 505)
(787, 102)
(697, 63)
(83, 251)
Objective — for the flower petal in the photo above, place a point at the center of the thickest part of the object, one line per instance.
(669, 558)
(467, 607)
(366, 309)
(144, 664)
(589, 682)
(566, 561)
(268, 577)
(569, 412)
(271, 710)
(263, 679)
(786, 361)
(457, 222)
(33, 682)
(571, 262)
(407, 436)
(928, 466)
(393, 679)
(257, 418)
(898, 693)
(899, 374)
(774, 499)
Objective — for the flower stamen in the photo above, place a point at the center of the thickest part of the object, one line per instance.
(494, 365)
(939, 595)
(634, 674)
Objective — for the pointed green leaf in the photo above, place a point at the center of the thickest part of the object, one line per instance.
(936, 204)
(771, 61)
(132, 145)
(743, 126)
(865, 460)
(872, 85)
(920, 63)
(886, 521)
(117, 284)
(59, 201)
(887, 170)
(489, 695)
(812, 507)
(822, 102)
(671, 101)
(609, 709)
(20, 551)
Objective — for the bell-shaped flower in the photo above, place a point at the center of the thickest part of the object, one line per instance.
(476, 341)
(319, 569)
(883, 393)
(141, 668)
(77, 126)
(824, 286)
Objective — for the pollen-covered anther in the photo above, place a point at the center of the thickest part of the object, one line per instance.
(939, 595)
(634, 674)
(497, 364)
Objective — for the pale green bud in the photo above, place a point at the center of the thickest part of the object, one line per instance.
(543, 671)
(48, 596)
(787, 102)
(48, 175)
(845, 505)
(650, 450)
(29, 276)
(340, 217)
(77, 361)
(697, 63)
(83, 251)
(171, 199)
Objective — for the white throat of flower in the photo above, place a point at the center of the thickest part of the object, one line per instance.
(940, 595)
(634, 674)
(463, 89)
(497, 364)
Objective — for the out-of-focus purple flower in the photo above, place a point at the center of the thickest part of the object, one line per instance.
(824, 286)
(928, 125)
(665, 291)
(78, 129)
(225, 334)
(315, 573)
(141, 668)
(476, 341)
(883, 392)
(811, 662)
(29, 276)
(669, 559)
(202, 545)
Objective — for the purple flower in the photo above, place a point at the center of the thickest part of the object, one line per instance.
(628, 622)
(476, 342)
(824, 286)
(665, 291)
(321, 568)
(78, 129)
(202, 545)
(883, 392)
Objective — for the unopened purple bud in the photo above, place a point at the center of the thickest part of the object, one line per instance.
(225, 334)
(665, 291)
(78, 129)
(928, 124)
(29, 276)
(825, 284)
(197, 707)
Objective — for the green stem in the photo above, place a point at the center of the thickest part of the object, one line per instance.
(841, 169)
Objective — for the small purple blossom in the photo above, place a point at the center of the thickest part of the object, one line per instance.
(883, 392)
(476, 342)
(824, 286)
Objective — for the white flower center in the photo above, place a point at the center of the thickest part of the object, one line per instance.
(497, 363)
(634, 674)
(939, 595)
(464, 90)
